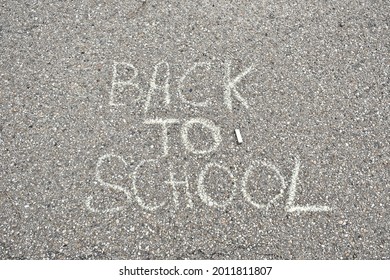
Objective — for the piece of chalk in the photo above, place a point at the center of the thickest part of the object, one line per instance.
(238, 135)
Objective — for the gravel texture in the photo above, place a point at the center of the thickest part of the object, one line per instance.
(316, 91)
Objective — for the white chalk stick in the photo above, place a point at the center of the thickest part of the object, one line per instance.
(238, 135)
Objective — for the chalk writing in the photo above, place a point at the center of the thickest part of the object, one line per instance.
(160, 82)
(201, 188)
(181, 84)
(138, 199)
(154, 87)
(248, 172)
(215, 132)
(164, 125)
(174, 184)
(202, 191)
(122, 84)
(230, 86)
(107, 185)
(292, 191)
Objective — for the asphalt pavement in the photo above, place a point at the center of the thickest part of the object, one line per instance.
(119, 122)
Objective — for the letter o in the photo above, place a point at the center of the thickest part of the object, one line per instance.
(202, 191)
(246, 195)
(215, 132)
